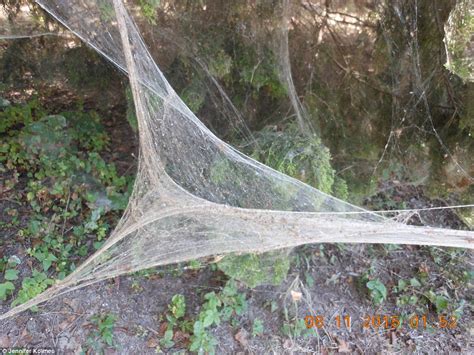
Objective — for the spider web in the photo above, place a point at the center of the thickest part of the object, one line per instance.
(196, 196)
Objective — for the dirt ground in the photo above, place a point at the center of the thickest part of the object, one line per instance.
(64, 324)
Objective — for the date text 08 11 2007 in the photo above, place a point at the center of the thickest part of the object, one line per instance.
(384, 321)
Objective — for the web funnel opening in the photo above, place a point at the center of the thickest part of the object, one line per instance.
(195, 195)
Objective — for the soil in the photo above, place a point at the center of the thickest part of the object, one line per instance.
(64, 324)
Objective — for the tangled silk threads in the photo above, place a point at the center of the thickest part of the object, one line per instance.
(195, 195)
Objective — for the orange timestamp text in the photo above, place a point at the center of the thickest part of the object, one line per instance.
(383, 321)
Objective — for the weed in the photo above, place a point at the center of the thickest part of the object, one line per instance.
(257, 327)
(175, 318)
(377, 290)
(216, 308)
(103, 336)
(177, 308)
(149, 8)
(32, 286)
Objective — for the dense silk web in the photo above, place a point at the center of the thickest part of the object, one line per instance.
(196, 196)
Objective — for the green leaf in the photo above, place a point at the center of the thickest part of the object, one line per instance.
(211, 316)
(441, 303)
(11, 274)
(48, 261)
(5, 289)
(108, 339)
(178, 306)
(257, 327)
(414, 282)
(167, 340)
(198, 327)
(401, 285)
(379, 291)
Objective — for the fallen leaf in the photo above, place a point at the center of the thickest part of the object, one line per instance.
(5, 341)
(343, 346)
(296, 296)
(287, 344)
(163, 327)
(152, 343)
(241, 337)
(180, 338)
(25, 336)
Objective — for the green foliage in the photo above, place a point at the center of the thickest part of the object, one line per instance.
(257, 327)
(194, 94)
(175, 318)
(103, 336)
(149, 8)
(256, 269)
(14, 117)
(177, 306)
(202, 341)
(58, 158)
(32, 286)
(221, 169)
(220, 65)
(259, 71)
(340, 189)
(216, 308)
(106, 9)
(6, 288)
(167, 340)
(105, 326)
(11, 274)
(377, 290)
(299, 156)
(459, 30)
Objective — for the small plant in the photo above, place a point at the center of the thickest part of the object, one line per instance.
(10, 274)
(175, 318)
(149, 8)
(6, 289)
(202, 342)
(218, 307)
(257, 327)
(32, 286)
(105, 325)
(296, 328)
(103, 336)
(377, 290)
(177, 308)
